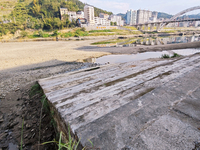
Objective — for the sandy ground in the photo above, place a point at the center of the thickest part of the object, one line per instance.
(51, 52)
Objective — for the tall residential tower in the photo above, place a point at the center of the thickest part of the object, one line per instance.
(143, 16)
(89, 14)
(131, 17)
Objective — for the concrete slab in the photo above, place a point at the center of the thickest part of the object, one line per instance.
(135, 105)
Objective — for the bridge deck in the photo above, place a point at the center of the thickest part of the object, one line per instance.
(131, 105)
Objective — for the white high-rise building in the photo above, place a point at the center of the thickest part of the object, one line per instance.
(131, 17)
(117, 19)
(101, 21)
(143, 16)
(89, 14)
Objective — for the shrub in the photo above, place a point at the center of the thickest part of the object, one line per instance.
(24, 34)
(83, 29)
(46, 35)
(55, 33)
(41, 33)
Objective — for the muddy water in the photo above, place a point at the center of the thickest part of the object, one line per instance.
(140, 56)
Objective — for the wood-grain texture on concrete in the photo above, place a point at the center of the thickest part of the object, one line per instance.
(135, 105)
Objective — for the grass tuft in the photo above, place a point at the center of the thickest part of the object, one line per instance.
(165, 56)
(175, 55)
(35, 89)
(70, 145)
(22, 135)
(168, 56)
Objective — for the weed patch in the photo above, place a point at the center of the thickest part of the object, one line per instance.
(175, 55)
(165, 56)
(168, 56)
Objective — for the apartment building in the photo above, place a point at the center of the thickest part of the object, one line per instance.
(131, 17)
(102, 15)
(72, 15)
(143, 16)
(101, 21)
(89, 14)
(79, 14)
(117, 19)
(63, 11)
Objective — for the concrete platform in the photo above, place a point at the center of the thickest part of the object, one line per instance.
(136, 105)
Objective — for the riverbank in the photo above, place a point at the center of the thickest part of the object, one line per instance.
(127, 35)
(141, 48)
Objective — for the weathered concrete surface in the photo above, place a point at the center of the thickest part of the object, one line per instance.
(136, 105)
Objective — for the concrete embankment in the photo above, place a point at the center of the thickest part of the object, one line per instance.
(142, 48)
(135, 105)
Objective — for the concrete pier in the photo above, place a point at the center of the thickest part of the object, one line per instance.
(135, 105)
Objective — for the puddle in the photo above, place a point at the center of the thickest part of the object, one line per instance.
(12, 146)
(112, 59)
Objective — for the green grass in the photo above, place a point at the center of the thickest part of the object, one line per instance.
(70, 145)
(130, 27)
(175, 55)
(96, 31)
(165, 56)
(109, 41)
(21, 144)
(35, 89)
(102, 42)
(168, 56)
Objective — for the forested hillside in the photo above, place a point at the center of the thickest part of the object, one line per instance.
(39, 14)
(163, 15)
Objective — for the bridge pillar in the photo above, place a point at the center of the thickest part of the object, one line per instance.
(151, 26)
(146, 27)
(151, 41)
(157, 41)
(135, 26)
(158, 26)
(145, 41)
(139, 27)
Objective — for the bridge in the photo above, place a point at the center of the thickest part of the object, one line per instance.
(159, 25)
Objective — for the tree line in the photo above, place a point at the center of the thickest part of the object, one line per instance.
(41, 14)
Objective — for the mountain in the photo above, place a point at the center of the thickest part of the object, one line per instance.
(164, 15)
(196, 16)
(37, 14)
(122, 15)
(6, 7)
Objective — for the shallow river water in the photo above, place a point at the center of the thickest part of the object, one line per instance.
(140, 56)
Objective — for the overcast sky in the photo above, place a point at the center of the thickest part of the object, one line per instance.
(168, 6)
